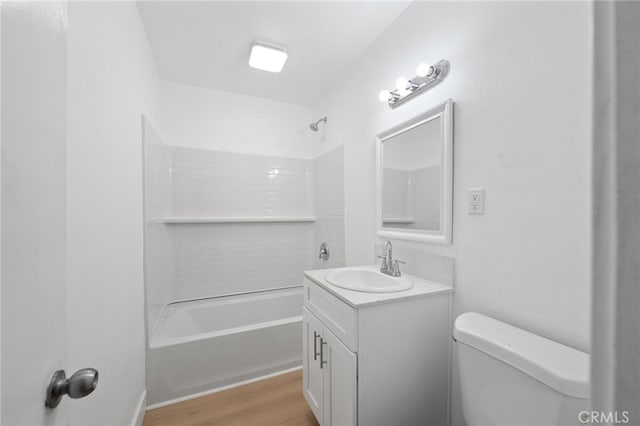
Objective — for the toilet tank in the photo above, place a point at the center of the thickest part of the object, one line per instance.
(509, 376)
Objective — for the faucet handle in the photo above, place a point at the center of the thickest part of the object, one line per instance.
(324, 251)
(396, 267)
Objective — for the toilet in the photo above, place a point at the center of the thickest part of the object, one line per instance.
(510, 377)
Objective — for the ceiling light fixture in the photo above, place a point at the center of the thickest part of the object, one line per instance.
(267, 56)
(426, 77)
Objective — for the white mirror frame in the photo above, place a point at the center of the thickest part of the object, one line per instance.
(444, 235)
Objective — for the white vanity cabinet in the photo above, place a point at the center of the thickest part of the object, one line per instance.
(376, 359)
(330, 374)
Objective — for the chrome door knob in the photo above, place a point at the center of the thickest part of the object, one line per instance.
(79, 385)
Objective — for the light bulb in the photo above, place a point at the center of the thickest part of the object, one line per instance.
(402, 84)
(424, 70)
(384, 95)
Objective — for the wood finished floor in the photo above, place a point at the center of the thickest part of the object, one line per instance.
(272, 402)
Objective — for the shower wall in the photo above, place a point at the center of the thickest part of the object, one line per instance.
(220, 223)
(395, 195)
(328, 190)
(157, 236)
(206, 183)
(425, 193)
(236, 256)
(411, 198)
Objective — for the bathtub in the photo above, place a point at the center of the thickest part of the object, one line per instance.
(201, 346)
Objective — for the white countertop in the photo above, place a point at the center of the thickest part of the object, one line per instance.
(358, 299)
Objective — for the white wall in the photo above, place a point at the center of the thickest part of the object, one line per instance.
(197, 117)
(112, 80)
(520, 78)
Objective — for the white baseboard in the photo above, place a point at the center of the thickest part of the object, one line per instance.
(141, 408)
(220, 389)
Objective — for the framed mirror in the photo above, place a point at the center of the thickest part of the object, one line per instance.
(415, 178)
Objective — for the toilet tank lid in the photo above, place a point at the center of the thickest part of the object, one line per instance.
(558, 366)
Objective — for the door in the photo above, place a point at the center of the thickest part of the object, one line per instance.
(312, 380)
(33, 186)
(340, 383)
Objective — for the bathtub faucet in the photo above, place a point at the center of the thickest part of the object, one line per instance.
(324, 251)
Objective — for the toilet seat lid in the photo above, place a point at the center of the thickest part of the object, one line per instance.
(560, 367)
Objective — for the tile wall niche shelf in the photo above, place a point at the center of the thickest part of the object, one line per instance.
(398, 220)
(237, 219)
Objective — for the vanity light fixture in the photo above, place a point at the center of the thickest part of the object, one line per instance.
(387, 96)
(426, 77)
(267, 56)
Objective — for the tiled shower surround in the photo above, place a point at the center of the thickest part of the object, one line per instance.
(402, 207)
(328, 190)
(231, 251)
(214, 183)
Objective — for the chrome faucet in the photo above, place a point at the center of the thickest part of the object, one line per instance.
(389, 266)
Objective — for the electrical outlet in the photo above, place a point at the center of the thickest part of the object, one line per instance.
(476, 201)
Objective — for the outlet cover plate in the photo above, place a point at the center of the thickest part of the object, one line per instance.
(476, 201)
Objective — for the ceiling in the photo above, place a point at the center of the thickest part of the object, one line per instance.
(208, 43)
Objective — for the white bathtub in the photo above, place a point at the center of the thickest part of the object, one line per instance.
(202, 345)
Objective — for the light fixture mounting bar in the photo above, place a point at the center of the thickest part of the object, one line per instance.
(440, 71)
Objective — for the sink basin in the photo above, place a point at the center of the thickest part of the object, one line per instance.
(369, 280)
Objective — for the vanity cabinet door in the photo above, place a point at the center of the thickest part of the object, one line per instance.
(312, 377)
(340, 382)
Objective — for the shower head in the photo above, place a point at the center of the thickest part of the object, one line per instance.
(314, 126)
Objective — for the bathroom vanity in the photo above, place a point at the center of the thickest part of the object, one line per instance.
(373, 358)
